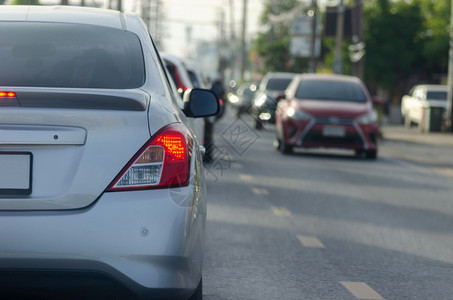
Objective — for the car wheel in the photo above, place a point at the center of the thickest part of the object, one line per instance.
(258, 124)
(198, 294)
(358, 153)
(284, 148)
(371, 154)
(407, 122)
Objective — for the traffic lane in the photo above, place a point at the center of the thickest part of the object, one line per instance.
(256, 253)
(252, 262)
(245, 220)
(334, 194)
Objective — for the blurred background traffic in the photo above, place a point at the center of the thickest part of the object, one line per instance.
(391, 45)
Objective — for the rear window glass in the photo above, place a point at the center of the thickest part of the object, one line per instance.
(174, 75)
(436, 95)
(278, 84)
(330, 90)
(69, 55)
(194, 79)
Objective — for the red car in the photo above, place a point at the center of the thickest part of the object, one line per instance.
(327, 111)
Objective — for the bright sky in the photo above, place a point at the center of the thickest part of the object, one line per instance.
(203, 18)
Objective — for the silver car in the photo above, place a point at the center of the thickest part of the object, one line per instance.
(101, 180)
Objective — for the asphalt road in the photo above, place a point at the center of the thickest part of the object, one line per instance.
(324, 225)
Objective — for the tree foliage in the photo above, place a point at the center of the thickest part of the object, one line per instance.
(406, 41)
(394, 49)
(273, 45)
(436, 35)
(25, 2)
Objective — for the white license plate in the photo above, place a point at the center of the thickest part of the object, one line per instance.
(15, 173)
(335, 131)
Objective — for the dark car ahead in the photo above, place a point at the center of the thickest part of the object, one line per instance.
(242, 100)
(265, 99)
(327, 111)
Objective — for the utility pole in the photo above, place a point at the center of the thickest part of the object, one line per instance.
(232, 40)
(243, 44)
(449, 116)
(313, 37)
(338, 63)
(357, 37)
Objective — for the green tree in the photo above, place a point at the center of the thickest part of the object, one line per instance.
(436, 34)
(273, 45)
(25, 2)
(394, 49)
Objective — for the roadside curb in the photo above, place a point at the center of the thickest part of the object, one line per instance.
(412, 135)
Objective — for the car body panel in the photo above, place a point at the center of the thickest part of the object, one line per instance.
(333, 108)
(325, 123)
(418, 99)
(79, 140)
(264, 102)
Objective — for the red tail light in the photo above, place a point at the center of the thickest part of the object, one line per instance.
(163, 162)
(4, 94)
(8, 98)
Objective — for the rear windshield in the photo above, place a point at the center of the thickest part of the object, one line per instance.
(436, 95)
(193, 77)
(69, 55)
(278, 84)
(330, 90)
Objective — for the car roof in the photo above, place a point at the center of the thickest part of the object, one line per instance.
(280, 75)
(171, 57)
(64, 14)
(433, 87)
(336, 77)
(180, 66)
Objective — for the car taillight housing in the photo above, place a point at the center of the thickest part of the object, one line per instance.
(163, 162)
(7, 94)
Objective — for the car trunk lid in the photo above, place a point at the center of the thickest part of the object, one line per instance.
(60, 148)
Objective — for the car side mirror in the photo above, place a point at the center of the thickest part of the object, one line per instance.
(199, 103)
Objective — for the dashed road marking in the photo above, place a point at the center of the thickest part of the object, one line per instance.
(310, 241)
(280, 211)
(260, 191)
(361, 290)
(245, 177)
(444, 171)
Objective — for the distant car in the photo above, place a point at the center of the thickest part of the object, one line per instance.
(186, 76)
(327, 111)
(265, 100)
(101, 180)
(421, 97)
(242, 99)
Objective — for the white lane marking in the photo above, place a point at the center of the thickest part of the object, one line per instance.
(238, 166)
(444, 171)
(310, 241)
(245, 177)
(280, 211)
(259, 191)
(361, 290)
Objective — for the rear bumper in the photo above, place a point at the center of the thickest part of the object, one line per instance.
(140, 244)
